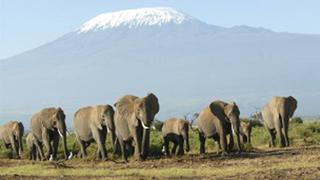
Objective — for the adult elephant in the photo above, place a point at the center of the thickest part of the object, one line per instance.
(47, 125)
(92, 124)
(11, 134)
(133, 118)
(276, 114)
(177, 131)
(217, 121)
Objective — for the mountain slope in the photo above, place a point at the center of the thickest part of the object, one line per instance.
(186, 62)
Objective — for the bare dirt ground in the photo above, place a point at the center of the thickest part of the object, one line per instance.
(287, 163)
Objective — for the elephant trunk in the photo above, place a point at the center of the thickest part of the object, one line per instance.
(20, 134)
(20, 144)
(235, 125)
(238, 141)
(185, 136)
(187, 143)
(145, 143)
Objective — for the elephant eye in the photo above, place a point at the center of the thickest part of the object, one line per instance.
(54, 123)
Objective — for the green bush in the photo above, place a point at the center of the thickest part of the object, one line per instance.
(297, 120)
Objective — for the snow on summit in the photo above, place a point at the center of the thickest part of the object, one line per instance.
(134, 18)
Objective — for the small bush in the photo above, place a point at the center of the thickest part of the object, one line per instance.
(157, 125)
(297, 120)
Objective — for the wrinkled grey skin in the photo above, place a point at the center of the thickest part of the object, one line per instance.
(92, 124)
(276, 114)
(34, 148)
(217, 121)
(177, 131)
(133, 118)
(11, 134)
(47, 126)
(245, 132)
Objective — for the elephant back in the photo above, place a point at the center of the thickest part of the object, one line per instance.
(173, 125)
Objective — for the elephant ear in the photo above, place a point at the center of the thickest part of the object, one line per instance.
(21, 127)
(217, 111)
(153, 103)
(232, 108)
(97, 113)
(292, 105)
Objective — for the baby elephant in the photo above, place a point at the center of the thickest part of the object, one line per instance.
(176, 131)
(245, 132)
(34, 147)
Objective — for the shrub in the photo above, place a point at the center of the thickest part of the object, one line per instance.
(297, 120)
(157, 125)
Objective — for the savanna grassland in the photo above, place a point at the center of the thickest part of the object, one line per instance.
(300, 161)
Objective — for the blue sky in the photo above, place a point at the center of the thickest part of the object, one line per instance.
(27, 24)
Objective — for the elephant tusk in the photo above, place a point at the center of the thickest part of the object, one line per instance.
(108, 129)
(60, 133)
(51, 157)
(68, 134)
(143, 125)
(233, 130)
(70, 155)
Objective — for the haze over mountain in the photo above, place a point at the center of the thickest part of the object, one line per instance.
(184, 61)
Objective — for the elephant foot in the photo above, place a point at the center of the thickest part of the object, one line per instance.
(223, 154)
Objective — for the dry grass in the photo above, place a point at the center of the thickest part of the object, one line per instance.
(273, 163)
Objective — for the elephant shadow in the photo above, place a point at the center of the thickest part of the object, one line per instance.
(251, 154)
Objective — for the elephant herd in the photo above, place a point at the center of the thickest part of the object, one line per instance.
(130, 123)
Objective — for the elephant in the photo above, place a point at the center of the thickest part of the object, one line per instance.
(133, 118)
(276, 114)
(34, 147)
(177, 131)
(11, 134)
(47, 125)
(92, 124)
(245, 132)
(216, 121)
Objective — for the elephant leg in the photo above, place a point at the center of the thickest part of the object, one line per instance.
(180, 150)
(202, 140)
(97, 135)
(123, 149)
(31, 149)
(280, 136)
(218, 145)
(231, 142)
(82, 149)
(285, 135)
(116, 147)
(55, 146)
(39, 150)
(137, 147)
(174, 148)
(14, 146)
(272, 138)
(166, 146)
(46, 142)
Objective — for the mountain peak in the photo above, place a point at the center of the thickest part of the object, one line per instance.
(133, 18)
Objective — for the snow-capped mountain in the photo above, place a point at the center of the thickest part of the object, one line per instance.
(187, 63)
(135, 18)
